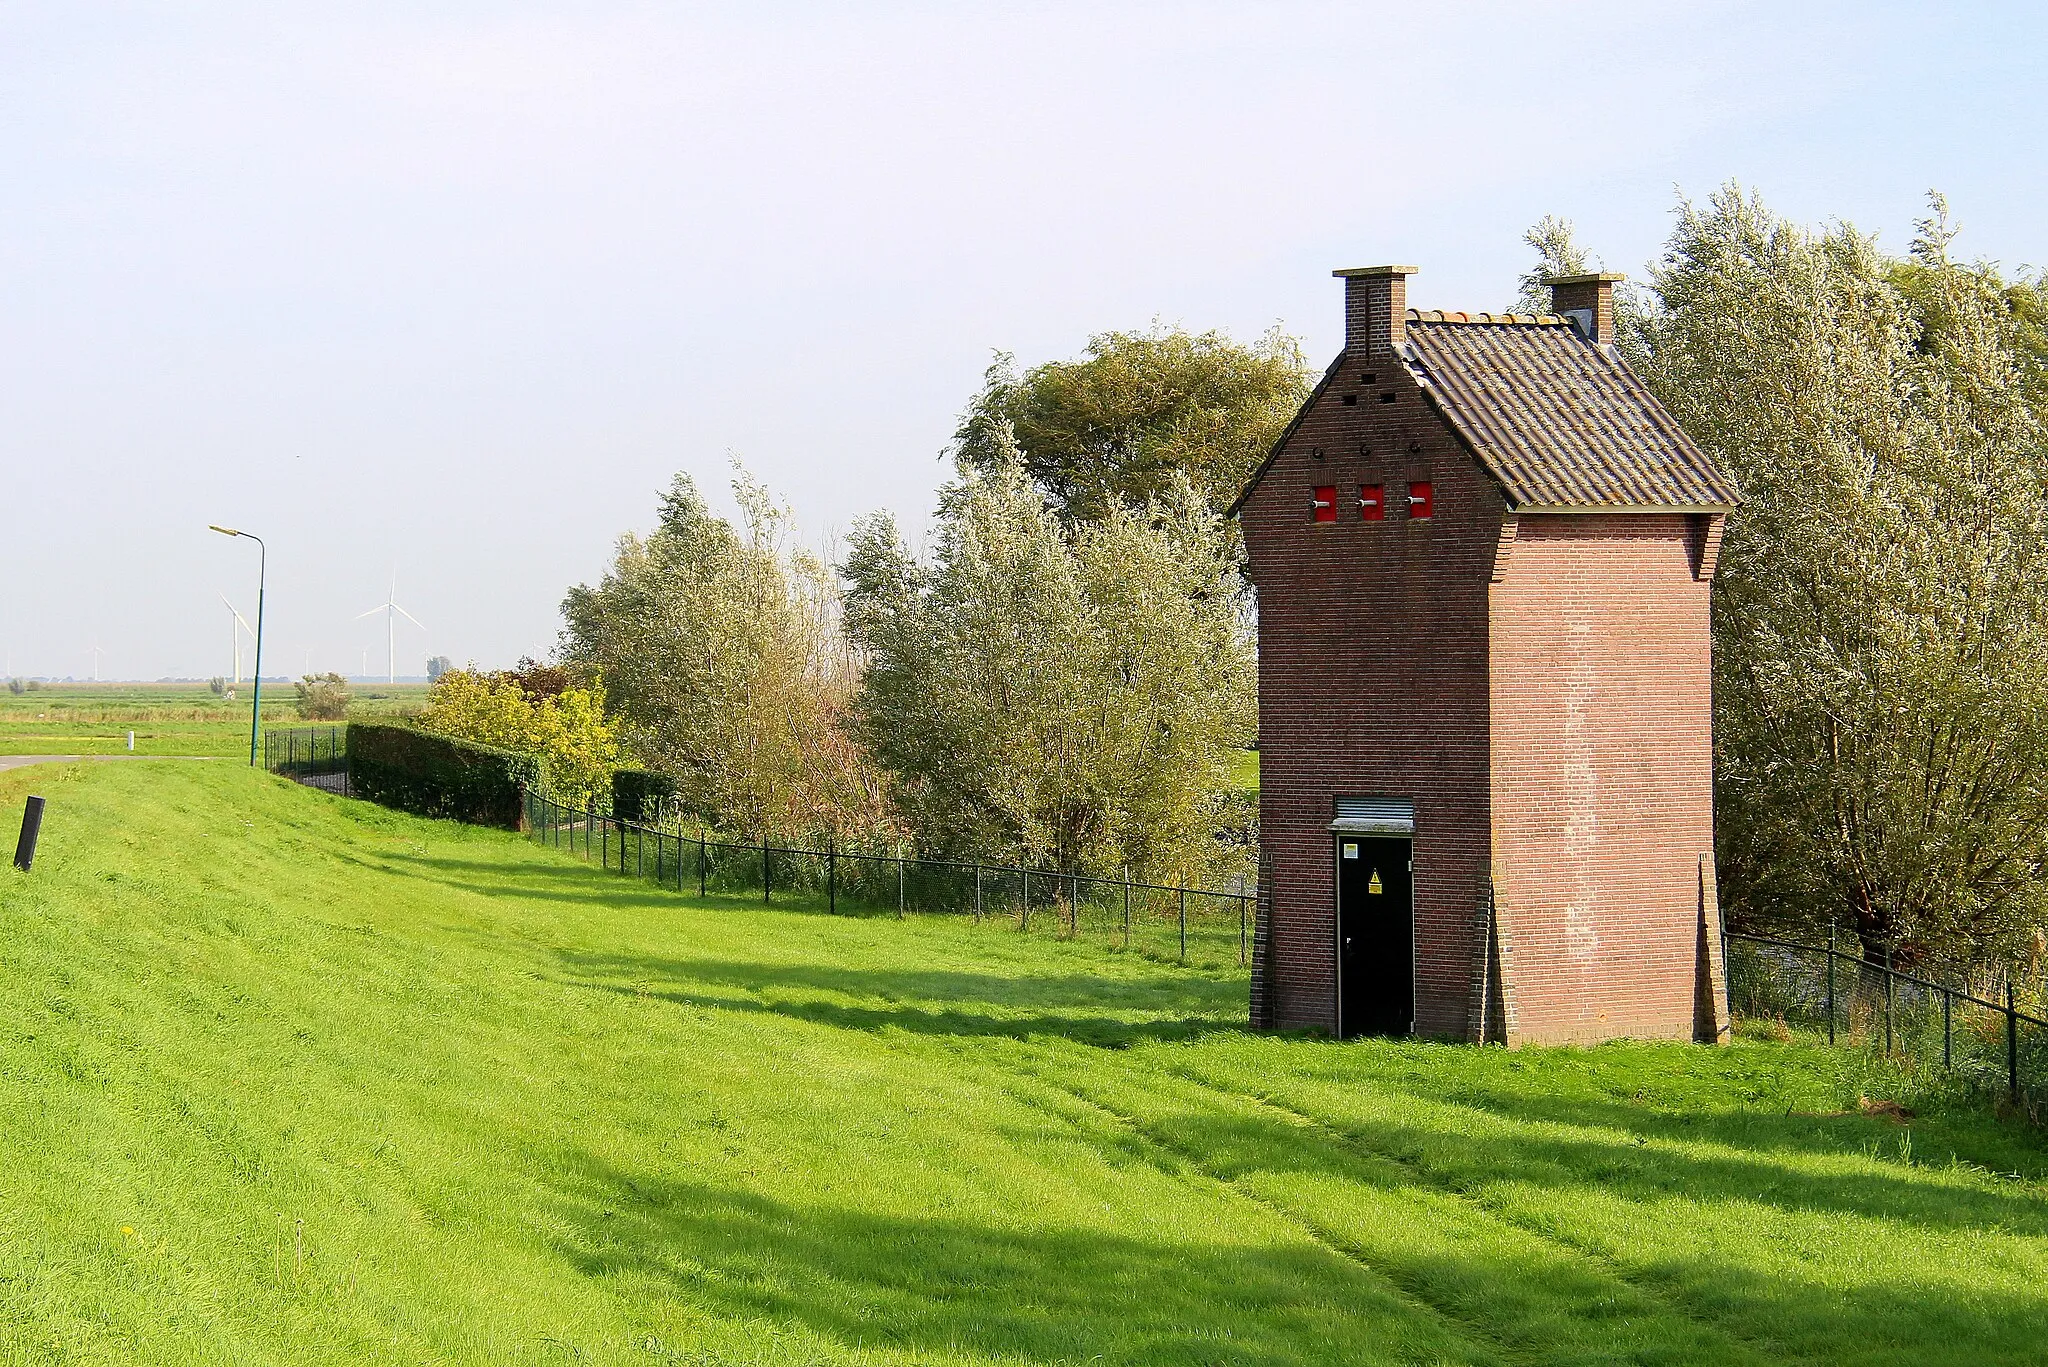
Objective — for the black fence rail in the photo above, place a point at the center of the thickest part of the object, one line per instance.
(314, 755)
(1981, 1035)
(1196, 926)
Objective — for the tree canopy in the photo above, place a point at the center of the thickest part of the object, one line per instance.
(1138, 410)
(1065, 692)
(727, 670)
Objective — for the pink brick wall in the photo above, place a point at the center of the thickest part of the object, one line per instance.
(1602, 772)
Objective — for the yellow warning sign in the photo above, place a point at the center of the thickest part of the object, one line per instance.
(1374, 885)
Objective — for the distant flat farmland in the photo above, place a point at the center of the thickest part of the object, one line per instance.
(167, 719)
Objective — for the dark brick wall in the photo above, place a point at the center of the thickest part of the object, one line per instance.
(1373, 645)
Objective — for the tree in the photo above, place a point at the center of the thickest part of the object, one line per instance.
(727, 670)
(437, 665)
(1063, 693)
(218, 685)
(565, 730)
(1881, 612)
(1557, 253)
(1136, 412)
(323, 697)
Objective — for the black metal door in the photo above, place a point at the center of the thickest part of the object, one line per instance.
(1375, 936)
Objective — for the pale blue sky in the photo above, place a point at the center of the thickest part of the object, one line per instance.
(456, 287)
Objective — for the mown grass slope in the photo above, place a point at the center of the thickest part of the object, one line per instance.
(285, 1078)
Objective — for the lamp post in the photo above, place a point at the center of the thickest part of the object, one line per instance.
(256, 692)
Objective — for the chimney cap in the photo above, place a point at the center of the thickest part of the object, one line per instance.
(1595, 278)
(1377, 270)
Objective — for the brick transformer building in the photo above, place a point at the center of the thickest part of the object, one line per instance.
(1483, 554)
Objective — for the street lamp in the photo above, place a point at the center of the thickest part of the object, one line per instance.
(256, 693)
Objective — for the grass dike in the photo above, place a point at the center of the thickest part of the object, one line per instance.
(289, 1078)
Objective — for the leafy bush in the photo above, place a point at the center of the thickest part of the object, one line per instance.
(16, 687)
(638, 794)
(566, 734)
(323, 697)
(416, 771)
(219, 686)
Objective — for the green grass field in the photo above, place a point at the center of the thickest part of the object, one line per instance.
(167, 719)
(290, 1079)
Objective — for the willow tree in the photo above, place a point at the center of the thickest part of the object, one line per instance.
(1881, 612)
(1071, 692)
(720, 650)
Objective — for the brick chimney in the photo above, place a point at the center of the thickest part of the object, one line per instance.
(1588, 300)
(1375, 309)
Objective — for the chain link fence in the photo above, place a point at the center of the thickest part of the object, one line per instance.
(1196, 926)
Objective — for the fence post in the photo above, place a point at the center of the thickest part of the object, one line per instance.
(1831, 982)
(1183, 925)
(2012, 1046)
(1947, 1003)
(832, 876)
(1888, 982)
(977, 894)
(1024, 912)
(764, 870)
(899, 882)
(1127, 906)
(1241, 921)
(604, 842)
(703, 856)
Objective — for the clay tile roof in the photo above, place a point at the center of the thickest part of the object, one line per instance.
(1557, 420)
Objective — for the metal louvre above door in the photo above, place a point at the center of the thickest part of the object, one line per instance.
(1375, 816)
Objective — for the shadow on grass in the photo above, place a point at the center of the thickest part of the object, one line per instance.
(993, 1290)
(1079, 1007)
(955, 1289)
(1752, 1163)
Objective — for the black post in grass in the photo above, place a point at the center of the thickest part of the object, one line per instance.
(832, 876)
(764, 870)
(31, 828)
(703, 858)
(1183, 925)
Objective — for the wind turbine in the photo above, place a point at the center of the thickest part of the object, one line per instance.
(95, 659)
(392, 612)
(241, 625)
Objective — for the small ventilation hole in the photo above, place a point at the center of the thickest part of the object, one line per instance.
(1350, 398)
(1387, 397)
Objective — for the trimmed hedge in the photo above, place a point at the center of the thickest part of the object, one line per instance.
(417, 771)
(637, 793)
